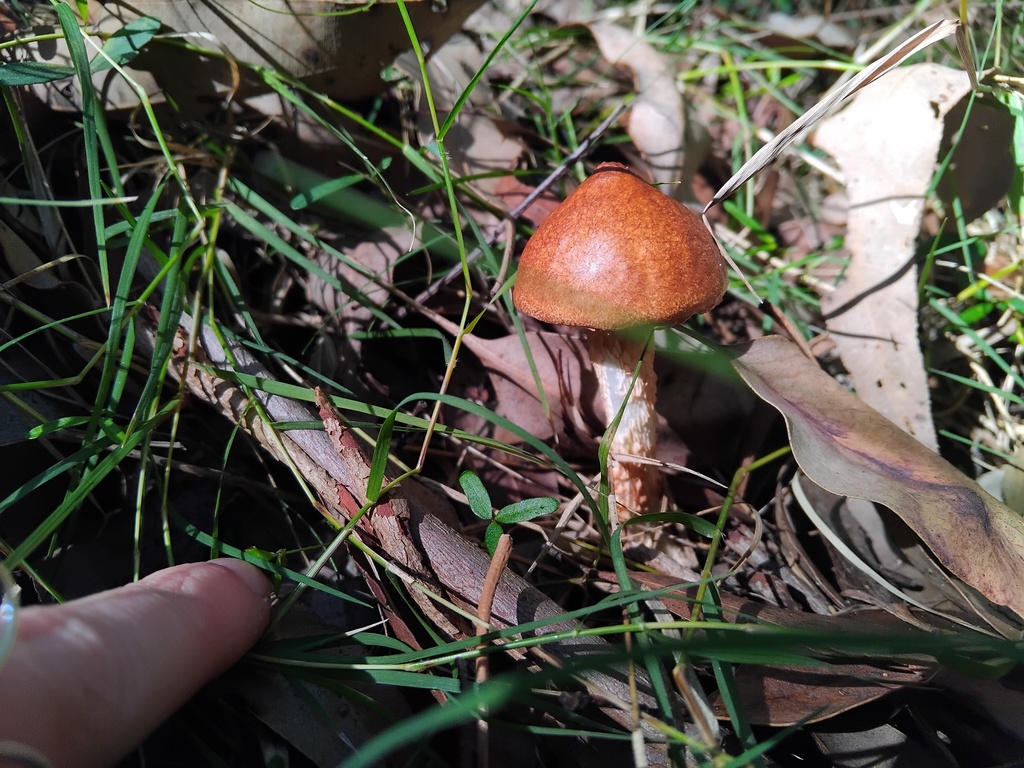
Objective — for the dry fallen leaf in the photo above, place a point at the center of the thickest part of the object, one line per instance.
(340, 53)
(288, 707)
(566, 377)
(351, 307)
(982, 167)
(656, 121)
(886, 144)
(848, 448)
(782, 695)
(476, 143)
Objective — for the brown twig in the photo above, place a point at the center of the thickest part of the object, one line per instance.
(483, 612)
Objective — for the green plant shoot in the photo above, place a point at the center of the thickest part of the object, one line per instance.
(517, 512)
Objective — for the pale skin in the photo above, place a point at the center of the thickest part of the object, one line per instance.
(86, 681)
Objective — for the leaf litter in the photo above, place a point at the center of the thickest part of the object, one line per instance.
(520, 413)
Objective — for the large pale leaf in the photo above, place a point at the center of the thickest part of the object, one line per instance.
(848, 448)
(888, 166)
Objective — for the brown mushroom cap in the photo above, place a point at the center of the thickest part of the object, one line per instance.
(619, 254)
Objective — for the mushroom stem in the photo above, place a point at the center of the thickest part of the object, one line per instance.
(638, 488)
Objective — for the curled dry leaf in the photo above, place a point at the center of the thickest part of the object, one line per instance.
(657, 121)
(849, 448)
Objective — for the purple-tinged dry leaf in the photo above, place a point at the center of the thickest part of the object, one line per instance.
(847, 447)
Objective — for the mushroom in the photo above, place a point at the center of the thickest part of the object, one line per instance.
(619, 258)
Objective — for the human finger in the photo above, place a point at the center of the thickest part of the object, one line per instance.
(87, 680)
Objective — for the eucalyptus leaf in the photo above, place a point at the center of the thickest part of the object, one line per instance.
(848, 448)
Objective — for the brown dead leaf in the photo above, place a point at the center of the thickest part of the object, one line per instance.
(982, 166)
(849, 448)
(782, 696)
(566, 377)
(288, 709)
(363, 269)
(877, 559)
(512, 193)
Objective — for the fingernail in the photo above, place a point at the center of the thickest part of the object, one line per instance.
(250, 574)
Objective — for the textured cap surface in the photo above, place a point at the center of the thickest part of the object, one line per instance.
(617, 254)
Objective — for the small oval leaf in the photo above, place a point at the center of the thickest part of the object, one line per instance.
(479, 499)
(527, 509)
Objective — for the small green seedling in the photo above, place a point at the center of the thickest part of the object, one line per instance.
(519, 512)
(277, 558)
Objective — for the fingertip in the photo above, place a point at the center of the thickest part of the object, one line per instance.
(250, 575)
(234, 599)
(224, 582)
(127, 658)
